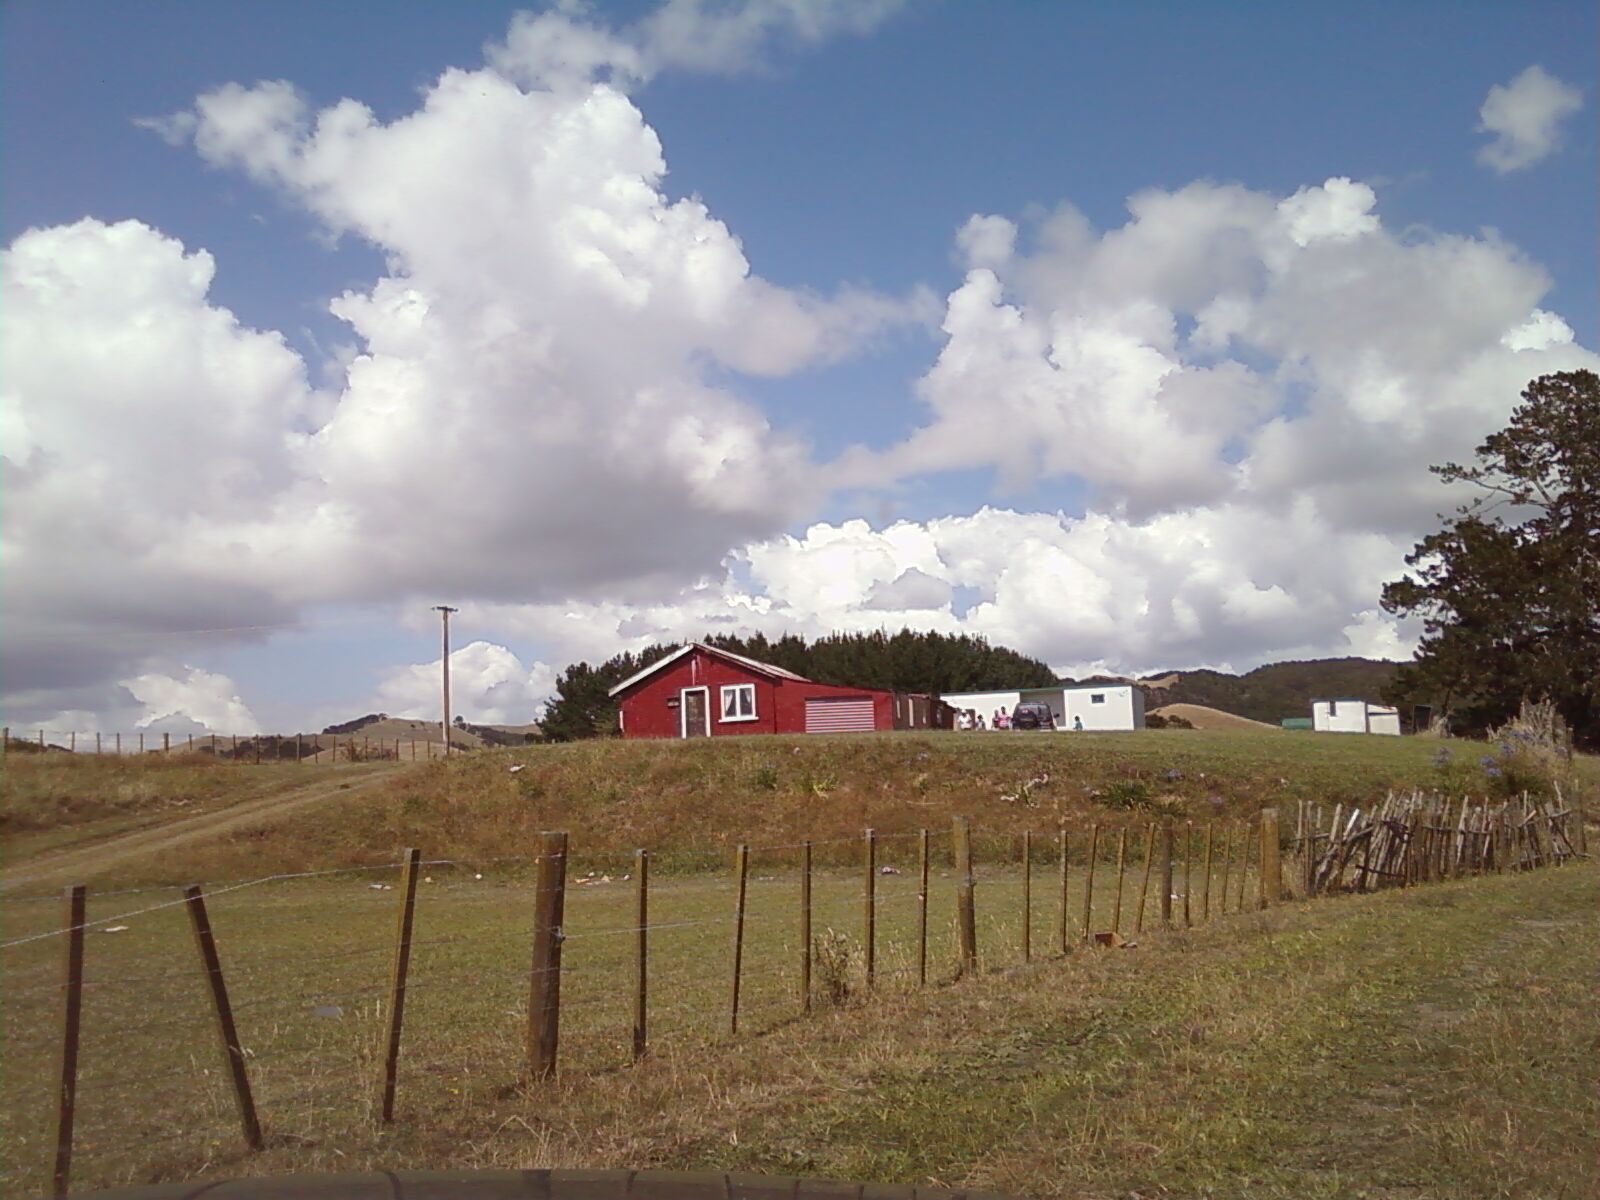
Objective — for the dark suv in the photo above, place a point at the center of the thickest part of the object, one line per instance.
(1032, 714)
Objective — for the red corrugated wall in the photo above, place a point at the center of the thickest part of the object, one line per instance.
(780, 706)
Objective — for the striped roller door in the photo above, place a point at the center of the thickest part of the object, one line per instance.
(840, 716)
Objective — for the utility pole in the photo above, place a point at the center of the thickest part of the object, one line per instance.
(444, 611)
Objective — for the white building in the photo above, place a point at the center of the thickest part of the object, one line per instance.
(1354, 716)
(1107, 707)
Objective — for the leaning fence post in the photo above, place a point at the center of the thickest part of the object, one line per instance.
(741, 870)
(544, 988)
(397, 983)
(922, 907)
(1144, 882)
(1122, 860)
(641, 948)
(966, 908)
(870, 904)
(1061, 931)
(71, 1023)
(1271, 860)
(805, 925)
(1088, 881)
(1166, 874)
(232, 1051)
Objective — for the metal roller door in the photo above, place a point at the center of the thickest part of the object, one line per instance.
(840, 716)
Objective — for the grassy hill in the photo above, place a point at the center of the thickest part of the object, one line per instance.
(696, 800)
(1272, 692)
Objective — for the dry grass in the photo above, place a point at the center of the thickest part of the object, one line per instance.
(694, 801)
(1428, 1044)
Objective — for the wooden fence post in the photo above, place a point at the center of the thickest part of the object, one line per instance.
(191, 744)
(1144, 882)
(119, 745)
(397, 982)
(1027, 896)
(1061, 931)
(805, 926)
(71, 1024)
(1166, 874)
(641, 949)
(5, 739)
(97, 750)
(1205, 894)
(1244, 867)
(141, 743)
(232, 1051)
(922, 907)
(1271, 860)
(544, 984)
(966, 906)
(1122, 862)
(166, 743)
(1088, 881)
(869, 902)
(1188, 872)
(1227, 865)
(297, 749)
(741, 870)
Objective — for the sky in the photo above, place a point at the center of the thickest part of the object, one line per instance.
(1122, 335)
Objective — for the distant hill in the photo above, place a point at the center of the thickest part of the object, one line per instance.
(1272, 692)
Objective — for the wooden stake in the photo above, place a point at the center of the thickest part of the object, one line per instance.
(232, 1051)
(1205, 895)
(966, 903)
(1227, 865)
(869, 901)
(805, 923)
(1244, 867)
(1144, 881)
(1122, 861)
(641, 949)
(1271, 889)
(1166, 874)
(1188, 871)
(741, 871)
(1088, 881)
(397, 982)
(922, 907)
(1061, 931)
(544, 983)
(71, 1024)
(1027, 897)
(166, 743)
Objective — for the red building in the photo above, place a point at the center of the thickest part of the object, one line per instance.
(700, 691)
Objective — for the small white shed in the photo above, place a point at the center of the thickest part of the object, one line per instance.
(1113, 706)
(1354, 716)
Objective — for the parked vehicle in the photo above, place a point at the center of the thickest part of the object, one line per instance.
(1033, 714)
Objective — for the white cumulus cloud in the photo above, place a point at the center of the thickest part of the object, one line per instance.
(1525, 118)
(489, 685)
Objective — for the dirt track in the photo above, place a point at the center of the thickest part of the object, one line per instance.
(57, 868)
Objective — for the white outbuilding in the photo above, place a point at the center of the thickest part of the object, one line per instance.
(1354, 716)
(1101, 707)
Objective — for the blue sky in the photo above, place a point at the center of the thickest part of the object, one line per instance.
(844, 150)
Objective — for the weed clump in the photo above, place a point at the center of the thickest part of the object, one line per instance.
(833, 959)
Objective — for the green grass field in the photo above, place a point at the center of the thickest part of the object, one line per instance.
(1427, 1043)
(1435, 1041)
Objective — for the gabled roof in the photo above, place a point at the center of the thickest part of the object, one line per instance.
(749, 664)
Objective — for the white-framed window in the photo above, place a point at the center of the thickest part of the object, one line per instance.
(739, 702)
(1097, 698)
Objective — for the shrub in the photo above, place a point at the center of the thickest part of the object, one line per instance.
(833, 958)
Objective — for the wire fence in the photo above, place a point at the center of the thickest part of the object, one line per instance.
(357, 996)
(420, 745)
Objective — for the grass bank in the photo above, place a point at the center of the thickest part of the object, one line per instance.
(701, 798)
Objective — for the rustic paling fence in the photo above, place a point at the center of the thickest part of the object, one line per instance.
(319, 1016)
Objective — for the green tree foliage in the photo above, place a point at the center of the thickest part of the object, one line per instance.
(902, 662)
(1509, 590)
